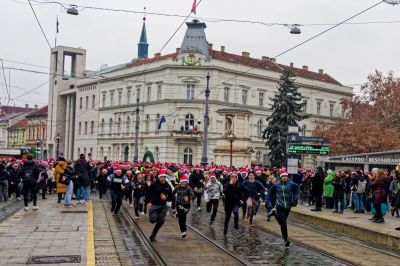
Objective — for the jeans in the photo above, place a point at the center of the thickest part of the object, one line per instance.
(228, 212)
(29, 189)
(14, 188)
(83, 193)
(281, 216)
(116, 200)
(213, 203)
(338, 202)
(139, 204)
(359, 201)
(157, 214)
(4, 190)
(68, 195)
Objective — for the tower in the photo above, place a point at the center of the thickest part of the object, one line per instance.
(194, 48)
(143, 46)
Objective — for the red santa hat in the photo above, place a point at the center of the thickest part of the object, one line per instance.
(162, 172)
(183, 178)
(283, 173)
(258, 170)
(213, 175)
(118, 169)
(243, 170)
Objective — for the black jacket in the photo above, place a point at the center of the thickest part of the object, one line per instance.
(196, 180)
(82, 170)
(317, 183)
(233, 194)
(339, 185)
(4, 175)
(153, 194)
(30, 166)
(15, 176)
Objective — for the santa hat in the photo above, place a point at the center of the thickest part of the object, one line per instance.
(283, 173)
(118, 169)
(162, 172)
(183, 179)
(213, 175)
(258, 170)
(243, 170)
(104, 170)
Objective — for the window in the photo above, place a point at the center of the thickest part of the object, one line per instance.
(147, 124)
(84, 151)
(101, 153)
(29, 134)
(304, 108)
(119, 125)
(157, 121)
(91, 151)
(93, 101)
(261, 99)
(303, 130)
(103, 100)
(331, 108)
(319, 108)
(159, 91)
(87, 102)
(156, 154)
(189, 121)
(80, 103)
(120, 98)
(148, 94)
(259, 128)
(43, 133)
(128, 125)
(102, 126)
(112, 99)
(244, 97)
(110, 126)
(258, 156)
(79, 129)
(79, 151)
(226, 94)
(85, 128)
(91, 127)
(128, 96)
(188, 156)
(138, 93)
(190, 91)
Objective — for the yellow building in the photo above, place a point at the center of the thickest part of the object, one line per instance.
(17, 134)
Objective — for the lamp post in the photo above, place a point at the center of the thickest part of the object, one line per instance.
(204, 159)
(230, 138)
(37, 148)
(136, 152)
(58, 139)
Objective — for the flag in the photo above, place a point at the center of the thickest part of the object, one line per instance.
(57, 25)
(194, 7)
(162, 120)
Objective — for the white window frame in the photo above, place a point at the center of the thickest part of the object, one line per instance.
(227, 91)
(188, 156)
(190, 89)
(244, 96)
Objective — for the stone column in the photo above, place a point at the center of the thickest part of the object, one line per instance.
(67, 128)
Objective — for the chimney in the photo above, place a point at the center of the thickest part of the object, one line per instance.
(291, 64)
(157, 55)
(223, 49)
(246, 54)
(273, 60)
(321, 71)
(26, 105)
(305, 68)
(210, 46)
(265, 58)
(178, 50)
(36, 106)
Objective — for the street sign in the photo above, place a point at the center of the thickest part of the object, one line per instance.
(293, 129)
(292, 165)
(308, 149)
(297, 138)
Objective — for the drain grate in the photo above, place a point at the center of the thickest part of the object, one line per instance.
(54, 259)
(73, 211)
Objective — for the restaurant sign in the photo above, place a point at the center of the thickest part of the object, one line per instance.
(375, 160)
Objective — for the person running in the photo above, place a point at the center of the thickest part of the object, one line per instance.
(139, 192)
(102, 182)
(157, 196)
(252, 190)
(283, 195)
(214, 192)
(196, 181)
(118, 183)
(183, 194)
(30, 174)
(128, 190)
(233, 194)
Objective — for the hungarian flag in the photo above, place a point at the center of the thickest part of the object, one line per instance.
(194, 7)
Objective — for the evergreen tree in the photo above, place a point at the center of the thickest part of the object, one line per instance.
(286, 111)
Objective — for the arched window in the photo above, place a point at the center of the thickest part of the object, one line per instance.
(188, 156)
(258, 156)
(156, 154)
(147, 124)
(189, 121)
(119, 125)
(110, 126)
(128, 125)
(259, 128)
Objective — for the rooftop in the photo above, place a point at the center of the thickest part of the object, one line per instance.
(39, 112)
(20, 124)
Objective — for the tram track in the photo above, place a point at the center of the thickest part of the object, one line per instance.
(7, 210)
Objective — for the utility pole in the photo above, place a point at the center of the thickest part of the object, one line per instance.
(204, 159)
(136, 155)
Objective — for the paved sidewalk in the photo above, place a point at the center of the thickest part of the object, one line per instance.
(45, 232)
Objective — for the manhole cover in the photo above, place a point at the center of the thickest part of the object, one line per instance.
(73, 211)
(54, 259)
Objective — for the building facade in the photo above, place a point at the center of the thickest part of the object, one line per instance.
(17, 134)
(36, 131)
(100, 117)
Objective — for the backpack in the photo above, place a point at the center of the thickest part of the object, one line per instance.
(362, 185)
(28, 176)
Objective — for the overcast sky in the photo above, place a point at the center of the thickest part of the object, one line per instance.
(348, 53)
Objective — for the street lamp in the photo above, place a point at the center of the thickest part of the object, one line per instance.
(231, 138)
(204, 159)
(58, 139)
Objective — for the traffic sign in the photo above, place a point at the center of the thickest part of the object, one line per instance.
(297, 138)
(308, 149)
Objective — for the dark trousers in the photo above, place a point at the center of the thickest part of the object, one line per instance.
(14, 188)
(281, 216)
(102, 191)
(198, 198)
(157, 214)
(59, 197)
(329, 202)
(29, 189)
(213, 204)
(338, 203)
(228, 212)
(139, 205)
(128, 195)
(182, 211)
(116, 201)
(318, 201)
(378, 209)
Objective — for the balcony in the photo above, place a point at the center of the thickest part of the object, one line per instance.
(188, 135)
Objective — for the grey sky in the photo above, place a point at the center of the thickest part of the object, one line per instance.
(348, 53)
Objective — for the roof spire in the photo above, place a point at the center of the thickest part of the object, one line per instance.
(143, 46)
